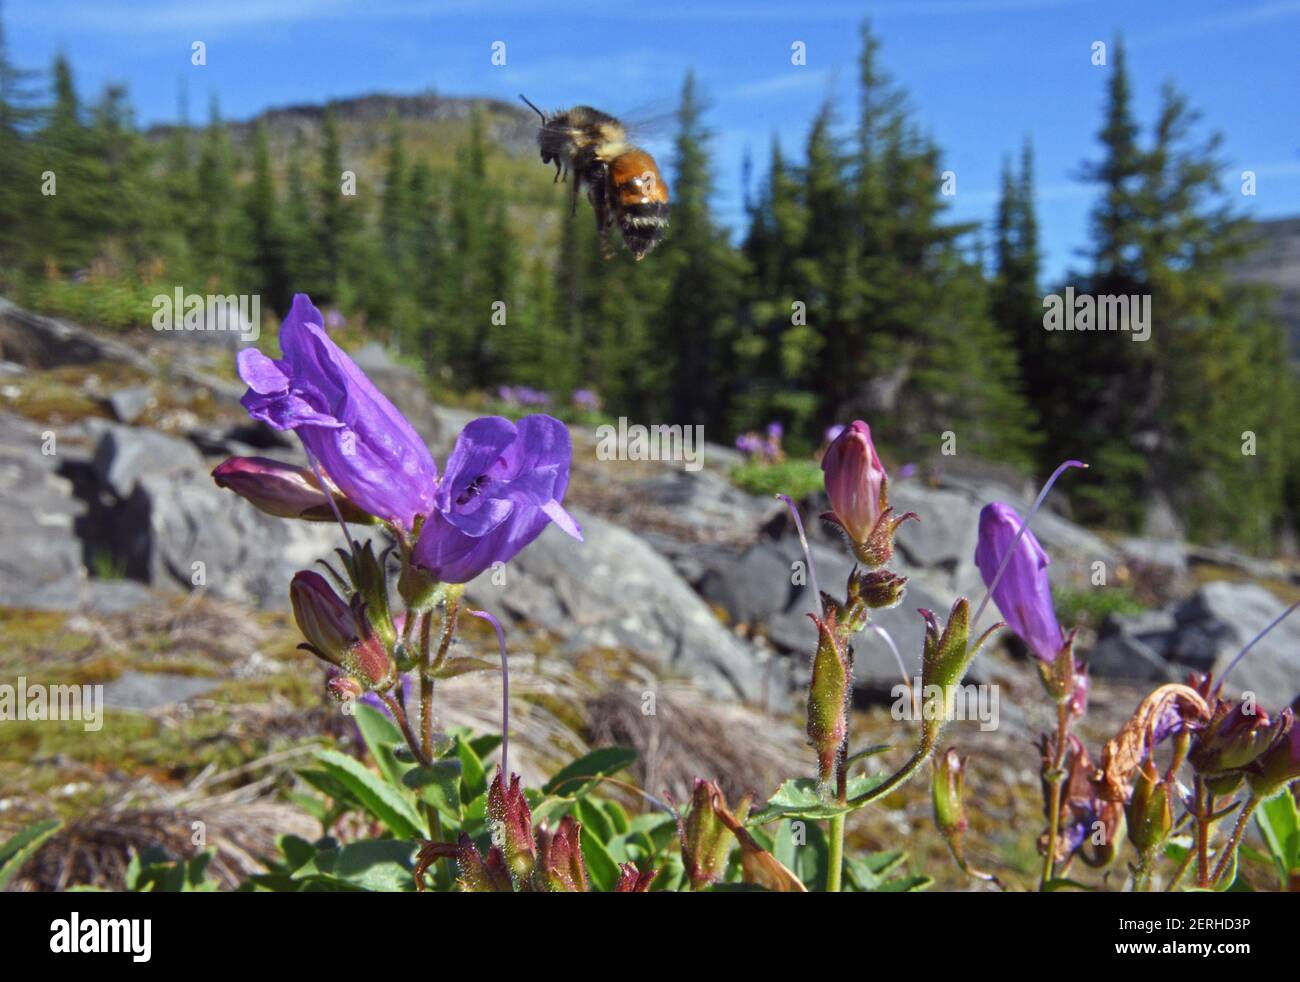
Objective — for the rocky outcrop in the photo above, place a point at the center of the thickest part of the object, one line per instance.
(46, 342)
(613, 590)
(1204, 633)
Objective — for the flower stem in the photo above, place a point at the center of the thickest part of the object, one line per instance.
(1055, 779)
(835, 856)
(1238, 831)
(899, 777)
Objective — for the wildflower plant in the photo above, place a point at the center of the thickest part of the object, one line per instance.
(386, 614)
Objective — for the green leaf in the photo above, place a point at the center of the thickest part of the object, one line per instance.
(799, 798)
(461, 666)
(374, 864)
(485, 744)
(473, 775)
(439, 785)
(601, 868)
(382, 800)
(577, 778)
(1279, 824)
(16, 850)
(382, 739)
(296, 851)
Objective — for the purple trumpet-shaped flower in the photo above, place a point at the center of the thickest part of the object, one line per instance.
(1023, 594)
(503, 483)
(366, 447)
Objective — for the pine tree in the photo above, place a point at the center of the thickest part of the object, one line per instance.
(695, 328)
(220, 255)
(19, 180)
(337, 214)
(269, 260)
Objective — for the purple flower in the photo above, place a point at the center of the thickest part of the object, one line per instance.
(502, 485)
(284, 491)
(1024, 594)
(775, 431)
(366, 447)
(854, 479)
(586, 399)
(750, 443)
(833, 432)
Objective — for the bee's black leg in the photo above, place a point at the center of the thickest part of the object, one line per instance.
(558, 165)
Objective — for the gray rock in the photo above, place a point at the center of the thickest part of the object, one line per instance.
(42, 552)
(154, 690)
(178, 530)
(1221, 618)
(129, 404)
(1169, 554)
(125, 454)
(46, 342)
(613, 590)
(1135, 647)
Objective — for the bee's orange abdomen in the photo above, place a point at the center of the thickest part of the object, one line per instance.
(637, 180)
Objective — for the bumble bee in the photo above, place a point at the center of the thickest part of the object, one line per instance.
(623, 181)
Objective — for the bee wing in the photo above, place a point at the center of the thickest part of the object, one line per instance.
(654, 120)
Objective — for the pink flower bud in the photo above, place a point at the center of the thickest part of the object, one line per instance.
(284, 491)
(323, 617)
(855, 480)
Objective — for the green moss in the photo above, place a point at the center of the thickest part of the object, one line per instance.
(797, 478)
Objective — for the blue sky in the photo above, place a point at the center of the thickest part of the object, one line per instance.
(982, 74)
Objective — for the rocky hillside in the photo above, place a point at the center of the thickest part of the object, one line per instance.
(123, 563)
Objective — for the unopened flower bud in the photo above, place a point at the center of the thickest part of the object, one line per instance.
(512, 826)
(877, 589)
(705, 839)
(323, 617)
(344, 688)
(1150, 815)
(285, 491)
(479, 875)
(946, 792)
(855, 481)
(1024, 592)
(632, 880)
(1234, 737)
(944, 660)
(560, 866)
(1279, 765)
(828, 696)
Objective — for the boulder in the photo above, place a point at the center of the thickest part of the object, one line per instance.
(613, 590)
(1204, 633)
(1135, 647)
(42, 554)
(1220, 619)
(46, 342)
(124, 454)
(127, 405)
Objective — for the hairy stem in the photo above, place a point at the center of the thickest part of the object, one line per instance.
(1055, 778)
(1238, 831)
